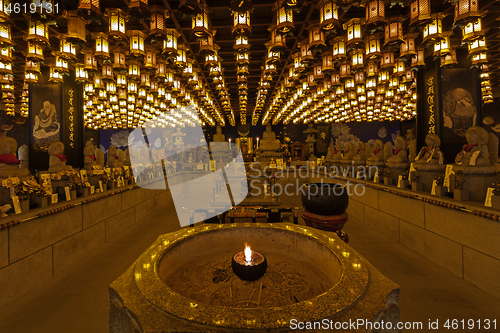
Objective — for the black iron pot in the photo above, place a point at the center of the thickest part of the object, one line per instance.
(325, 199)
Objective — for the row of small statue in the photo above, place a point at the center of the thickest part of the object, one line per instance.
(11, 166)
(478, 156)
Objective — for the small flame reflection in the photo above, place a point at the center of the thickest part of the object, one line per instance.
(248, 253)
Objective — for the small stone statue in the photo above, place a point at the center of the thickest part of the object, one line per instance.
(112, 157)
(89, 158)
(127, 161)
(377, 156)
(311, 139)
(57, 160)
(348, 153)
(121, 157)
(4, 209)
(9, 164)
(400, 152)
(360, 155)
(475, 152)
(99, 158)
(269, 141)
(23, 153)
(219, 137)
(430, 154)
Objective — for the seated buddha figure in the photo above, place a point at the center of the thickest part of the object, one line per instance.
(57, 160)
(348, 154)
(475, 152)
(430, 154)
(218, 138)
(400, 152)
(360, 154)
(269, 141)
(9, 164)
(377, 156)
(112, 157)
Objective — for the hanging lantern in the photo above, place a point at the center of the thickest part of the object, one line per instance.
(180, 61)
(478, 45)
(327, 61)
(479, 58)
(443, 46)
(30, 77)
(242, 58)
(55, 76)
(107, 72)
(76, 26)
(116, 18)
(241, 23)
(134, 70)
(278, 42)
(61, 64)
(472, 30)
(5, 10)
(420, 10)
(450, 59)
(383, 76)
(90, 5)
(200, 24)
(32, 66)
(394, 30)
(101, 45)
(241, 43)
(38, 32)
(371, 68)
(145, 81)
(121, 80)
(339, 48)
(419, 59)
(353, 27)
(357, 59)
(89, 60)
(305, 53)
(157, 24)
(408, 46)
(207, 43)
(119, 59)
(375, 11)
(284, 20)
(111, 88)
(34, 52)
(345, 70)
(132, 88)
(400, 68)
(387, 59)
(434, 29)
(136, 42)
(88, 88)
(67, 49)
(169, 77)
(466, 9)
(170, 42)
(97, 81)
(150, 58)
(372, 46)
(328, 14)
(316, 38)
(81, 74)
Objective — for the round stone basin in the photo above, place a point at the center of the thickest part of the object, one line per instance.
(310, 276)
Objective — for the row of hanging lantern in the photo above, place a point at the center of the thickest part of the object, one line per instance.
(6, 74)
(359, 78)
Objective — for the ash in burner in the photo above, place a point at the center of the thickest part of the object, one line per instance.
(213, 282)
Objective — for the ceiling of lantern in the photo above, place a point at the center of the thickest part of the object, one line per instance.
(261, 18)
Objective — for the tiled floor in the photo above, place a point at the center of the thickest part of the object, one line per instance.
(77, 301)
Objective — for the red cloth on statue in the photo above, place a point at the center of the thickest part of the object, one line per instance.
(376, 151)
(468, 147)
(345, 152)
(336, 151)
(357, 151)
(397, 150)
(62, 157)
(9, 159)
(115, 156)
(92, 157)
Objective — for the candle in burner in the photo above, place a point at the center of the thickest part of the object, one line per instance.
(249, 265)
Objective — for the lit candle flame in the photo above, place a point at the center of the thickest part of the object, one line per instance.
(248, 253)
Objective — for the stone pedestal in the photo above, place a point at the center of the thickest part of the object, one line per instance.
(495, 202)
(372, 168)
(334, 223)
(361, 168)
(41, 202)
(392, 173)
(426, 174)
(475, 185)
(461, 195)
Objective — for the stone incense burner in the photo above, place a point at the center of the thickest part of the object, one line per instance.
(176, 285)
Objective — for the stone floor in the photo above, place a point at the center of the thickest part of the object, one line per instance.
(77, 301)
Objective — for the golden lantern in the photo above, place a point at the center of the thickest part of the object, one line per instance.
(132, 88)
(371, 83)
(400, 68)
(353, 27)
(180, 60)
(387, 59)
(408, 46)
(134, 70)
(107, 72)
(116, 18)
(61, 64)
(241, 43)
(170, 42)
(345, 70)
(35, 51)
(81, 74)
(157, 24)
(316, 37)
(97, 81)
(161, 68)
(434, 29)
(55, 76)
(328, 14)
(242, 58)
(30, 77)
(465, 9)
(101, 45)
(305, 53)
(472, 30)
(375, 10)
(394, 30)
(76, 26)
(284, 20)
(241, 23)
(357, 59)
(339, 48)
(111, 88)
(359, 78)
(89, 60)
(318, 72)
(478, 45)
(443, 46)
(200, 24)
(450, 59)
(371, 68)
(169, 77)
(88, 88)
(5, 10)
(479, 58)
(383, 76)
(150, 58)
(419, 59)
(67, 49)
(327, 61)
(90, 5)
(136, 42)
(420, 10)
(272, 56)
(121, 80)
(38, 32)
(119, 59)
(32, 66)
(145, 81)
(372, 47)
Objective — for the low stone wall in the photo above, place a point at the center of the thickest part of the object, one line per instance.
(34, 251)
(466, 244)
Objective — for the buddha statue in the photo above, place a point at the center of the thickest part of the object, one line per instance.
(99, 158)
(360, 154)
(127, 161)
(475, 152)
(400, 153)
(112, 157)
(348, 153)
(377, 156)
(57, 160)
(430, 154)
(9, 164)
(219, 137)
(337, 153)
(121, 157)
(23, 154)
(178, 138)
(269, 141)
(89, 158)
